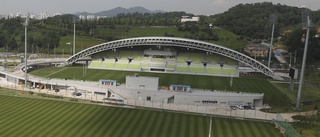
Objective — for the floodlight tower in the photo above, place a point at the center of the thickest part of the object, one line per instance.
(273, 21)
(307, 23)
(25, 24)
(74, 35)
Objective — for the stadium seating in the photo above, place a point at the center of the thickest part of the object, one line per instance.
(230, 71)
(197, 69)
(158, 60)
(170, 65)
(134, 66)
(107, 64)
(162, 65)
(182, 57)
(196, 57)
(124, 54)
(213, 70)
(95, 63)
(137, 55)
(177, 64)
(182, 69)
(121, 65)
(214, 59)
(144, 64)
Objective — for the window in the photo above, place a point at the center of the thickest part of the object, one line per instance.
(141, 86)
(208, 102)
(148, 98)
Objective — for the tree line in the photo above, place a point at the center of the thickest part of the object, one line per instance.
(250, 21)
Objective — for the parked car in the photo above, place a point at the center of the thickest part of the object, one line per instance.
(240, 107)
(78, 94)
(252, 107)
(30, 87)
(233, 107)
(246, 107)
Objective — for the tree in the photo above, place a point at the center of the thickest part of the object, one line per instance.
(296, 41)
(2, 40)
(11, 44)
(315, 109)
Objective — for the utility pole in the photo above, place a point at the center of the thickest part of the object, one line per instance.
(308, 21)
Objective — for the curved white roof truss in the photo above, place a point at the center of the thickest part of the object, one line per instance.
(177, 42)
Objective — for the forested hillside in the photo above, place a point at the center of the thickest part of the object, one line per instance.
(44, 35)
(253, 20)
(235, 28)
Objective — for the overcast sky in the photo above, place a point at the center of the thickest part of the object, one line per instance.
(203, 7)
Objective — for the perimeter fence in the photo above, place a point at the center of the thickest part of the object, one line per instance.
(285, 127)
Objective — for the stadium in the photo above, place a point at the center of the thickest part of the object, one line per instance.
(135, 62)
(156, 55)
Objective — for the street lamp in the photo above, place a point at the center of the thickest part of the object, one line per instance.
(26, 23)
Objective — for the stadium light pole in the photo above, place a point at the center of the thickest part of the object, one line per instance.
(74, 35)
(26, 23)
(273, 20)
(303, 63)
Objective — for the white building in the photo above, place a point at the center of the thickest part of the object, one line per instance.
(101, 17)
(187, 18)
(18, 14)
(90, 17)
(82, 17)
(142, 82)
(44, 15)
(147, 89)
(57, 14)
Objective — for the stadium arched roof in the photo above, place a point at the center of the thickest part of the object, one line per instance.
(173, 41)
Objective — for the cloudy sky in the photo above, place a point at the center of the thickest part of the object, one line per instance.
(203, 7)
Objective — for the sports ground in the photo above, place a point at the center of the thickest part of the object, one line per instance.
(60, 118)
(272, 95)
(38, 117)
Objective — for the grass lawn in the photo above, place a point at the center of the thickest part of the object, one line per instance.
(37, 117)
(81, 44)
(308, 125)
(226, 38)
(153, 31)
(229, 40)
(272, 95)
(308, 94)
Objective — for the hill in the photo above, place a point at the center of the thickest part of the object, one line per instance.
(114, 12)
(234, 28)
(253, 20)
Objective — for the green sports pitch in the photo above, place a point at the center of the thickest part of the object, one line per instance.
(272, 95)
(30, 117)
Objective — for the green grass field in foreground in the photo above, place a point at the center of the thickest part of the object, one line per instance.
(272, 95)
(36, 117)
